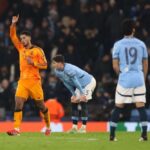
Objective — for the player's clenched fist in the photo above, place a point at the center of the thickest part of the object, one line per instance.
(15, 19)
(83, 98)
(74, 99)
(29, 60)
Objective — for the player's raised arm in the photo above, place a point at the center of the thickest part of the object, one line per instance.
(13, 34)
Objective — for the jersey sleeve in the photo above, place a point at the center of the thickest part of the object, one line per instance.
(70, 88)
(40, 59)
(145, 53)
(15, 39)
(70, 72)
(115, 51)
(77, 84)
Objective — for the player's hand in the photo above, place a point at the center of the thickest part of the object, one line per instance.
(74, 99)
(15, 19)
(83, 98)
(29, 60)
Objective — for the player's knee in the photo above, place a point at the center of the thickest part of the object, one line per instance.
(41, 106)
(18, 110)
(140, 104)
(119, 105)
(44, 111)
(18, 107)
(19, 102)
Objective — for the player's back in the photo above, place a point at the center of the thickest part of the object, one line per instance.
(131, 52)
(71, 70)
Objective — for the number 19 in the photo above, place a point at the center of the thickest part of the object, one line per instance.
(131, 52)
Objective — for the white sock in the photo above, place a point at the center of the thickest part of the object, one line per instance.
(17, 129)
(83, 126)
(74, 126)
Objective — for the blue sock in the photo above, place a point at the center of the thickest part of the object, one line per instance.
(114, 119)
(84, 113)
(143, 120)
(75, 114)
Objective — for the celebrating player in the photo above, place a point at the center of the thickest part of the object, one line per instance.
(32, 58)
(80, 84)
(130, 61)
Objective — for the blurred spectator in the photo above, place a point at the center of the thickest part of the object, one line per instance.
(4, 72)
(56, 110)
(5, 94)
(51, 87)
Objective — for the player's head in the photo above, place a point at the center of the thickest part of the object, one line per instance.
(25, 38)
(128, 27)
(58, 62)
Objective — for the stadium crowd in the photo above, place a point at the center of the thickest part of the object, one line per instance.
(84, 32)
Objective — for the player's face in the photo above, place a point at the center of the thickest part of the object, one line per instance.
(57, 65)
(25, 40)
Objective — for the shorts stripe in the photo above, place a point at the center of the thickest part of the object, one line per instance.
(84, 118)
(124, 95)
(74, 118)
(144, 123)
(113, 124)
(139, 94)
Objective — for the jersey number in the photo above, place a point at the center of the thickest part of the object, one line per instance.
(131, 52)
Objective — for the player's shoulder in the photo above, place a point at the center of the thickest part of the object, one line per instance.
(139, 41)
(37, 48)
(118, 43)
(68, 66)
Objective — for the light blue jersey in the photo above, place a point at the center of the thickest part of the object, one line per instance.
(73, 77)
(130, 52)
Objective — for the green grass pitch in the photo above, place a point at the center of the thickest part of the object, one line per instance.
(65, 141)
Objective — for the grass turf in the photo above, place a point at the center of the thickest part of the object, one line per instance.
(64, 141)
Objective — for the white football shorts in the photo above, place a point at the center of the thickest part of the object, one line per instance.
(88, 90)
(130, 95)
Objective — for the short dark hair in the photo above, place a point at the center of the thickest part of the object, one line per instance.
(127, 26)
(28, 33)
(59, 58)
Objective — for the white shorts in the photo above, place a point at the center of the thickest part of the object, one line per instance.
(130, 95)
(88, 90)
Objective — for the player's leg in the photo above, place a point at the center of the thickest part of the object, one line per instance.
(84, 117)
(20, 98)
(84, 109)
(143, 119)
(140, 100)
(44, 110)
(75, 118)
(19, 102)
(114, 120)
(36, 93)
(122, 96)
(75, 113)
